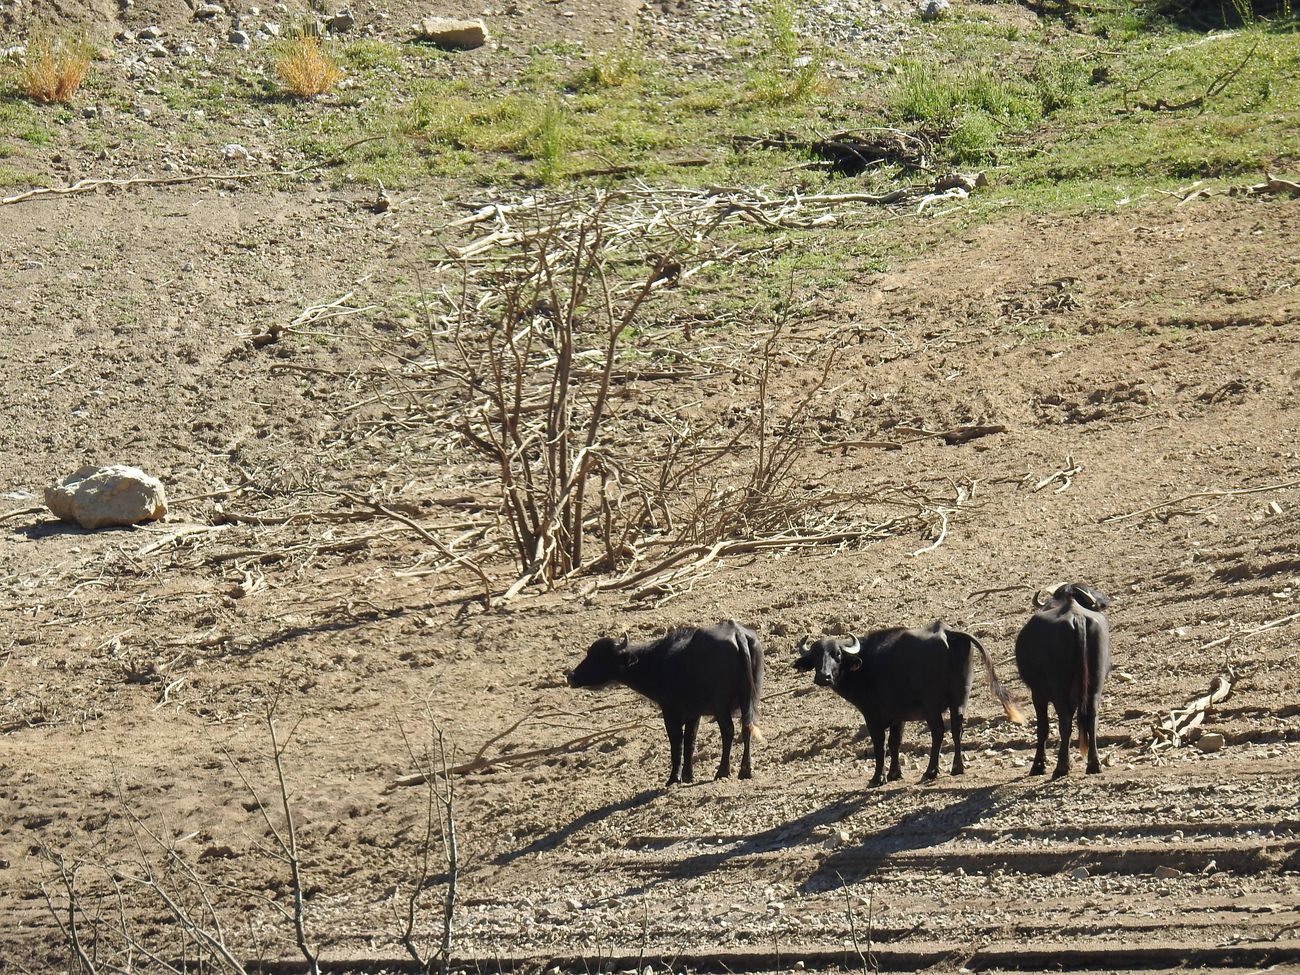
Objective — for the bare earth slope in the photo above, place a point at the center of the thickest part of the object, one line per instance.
(1154, 354)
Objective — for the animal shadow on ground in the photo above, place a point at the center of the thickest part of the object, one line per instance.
(767, 841)
(558, 836)
(915, 831)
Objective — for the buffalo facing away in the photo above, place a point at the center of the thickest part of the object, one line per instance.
(1063, 653)
(690, 673)
(898, 675)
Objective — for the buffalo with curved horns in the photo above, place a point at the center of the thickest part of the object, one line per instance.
(896, 675)
(1063, 654)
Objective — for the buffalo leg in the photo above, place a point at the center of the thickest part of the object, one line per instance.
(878, 745)
(958, 765)
(895, 739)
(676, 732)
(746, 733)
(1039, 766)
(936, 742)
(1088, 724)
(688, 749)
(728, 729)
(1065, 725)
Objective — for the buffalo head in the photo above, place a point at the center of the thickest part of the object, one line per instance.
(606, 660)
(1089, 597)
(827, 657)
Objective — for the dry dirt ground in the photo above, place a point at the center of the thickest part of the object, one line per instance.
(1153, 352)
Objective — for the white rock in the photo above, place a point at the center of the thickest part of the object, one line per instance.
(837, 839)
(934, 9)
(208, 11)
(1079, 873)
(1210, 742)
(101, 497)
(234, 150)
(1163, 872)
(449, 32)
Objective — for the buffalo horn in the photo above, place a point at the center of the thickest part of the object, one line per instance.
(853, 649)
(623, 643)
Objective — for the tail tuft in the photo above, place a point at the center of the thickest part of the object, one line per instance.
(755, 732)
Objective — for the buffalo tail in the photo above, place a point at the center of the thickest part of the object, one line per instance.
(1000, 692)
(753, 653)
(1085, 699)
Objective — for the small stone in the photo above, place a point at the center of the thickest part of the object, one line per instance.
(234, 150)
(272, 28)
(1079, 873)
(1163, 872)
(238, 38)
(837, 839)
(934, 10)
(208, 11)
(104, 497)
(448, 32)
(151, 33)
(1210, 742)
(342, 22)
(32, 265)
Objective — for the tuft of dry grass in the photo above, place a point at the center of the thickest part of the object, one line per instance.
(53, 69)
(305, 69)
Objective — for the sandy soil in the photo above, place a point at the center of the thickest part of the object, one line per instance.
(1156, 351)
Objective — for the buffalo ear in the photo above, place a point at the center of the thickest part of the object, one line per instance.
(853, 662)
(1084, 597)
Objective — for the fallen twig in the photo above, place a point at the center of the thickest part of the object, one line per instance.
(90, 184)
(1183, 724)
(483, 762)
(1198, 494)
(1216, 87)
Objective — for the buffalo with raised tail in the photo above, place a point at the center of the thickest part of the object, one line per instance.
(690, 673)
(898, 675)
(1063, 653)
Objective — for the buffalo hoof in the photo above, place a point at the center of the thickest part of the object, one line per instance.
(1094, 770)
(895, 775)
(930, 776)
(876, 782)
(674, 780)
(688, 776)
(746, 773)
(723, 773)
(1060, 773)
(959, 770)
(1038, 770)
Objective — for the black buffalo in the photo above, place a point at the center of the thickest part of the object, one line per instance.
(899, 675)
(1063, 653)
(690, 673)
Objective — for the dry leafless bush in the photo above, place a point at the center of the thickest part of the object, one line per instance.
(53, 69)
(305, 69)
(539, 375)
